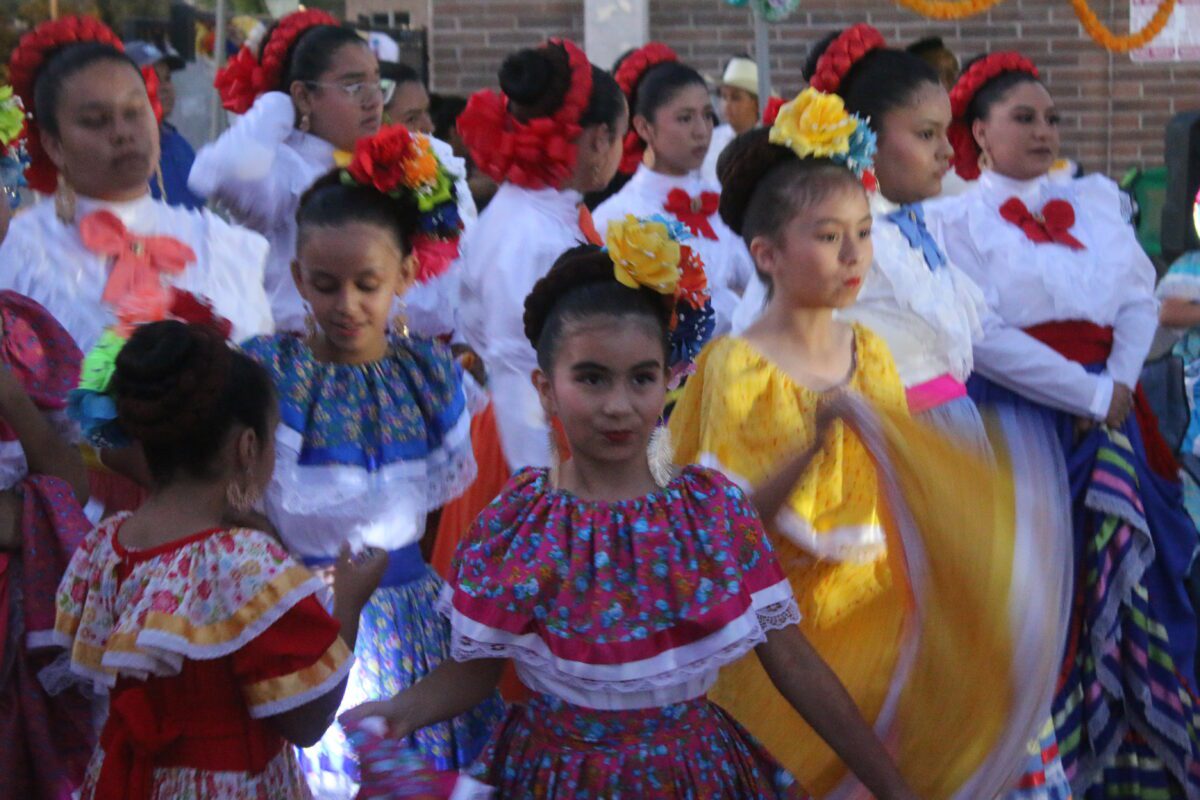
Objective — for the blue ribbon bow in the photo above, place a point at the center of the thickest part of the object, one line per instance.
(910, 219)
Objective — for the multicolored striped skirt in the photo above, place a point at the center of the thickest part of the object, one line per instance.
(1125, 717)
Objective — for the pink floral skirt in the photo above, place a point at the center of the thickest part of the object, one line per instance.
(549, 748)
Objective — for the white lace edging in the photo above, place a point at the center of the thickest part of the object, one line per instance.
(308, 695)
(162, 654)
(352, 491)
(773, 608)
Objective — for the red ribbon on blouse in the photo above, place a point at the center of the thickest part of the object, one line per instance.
(694, 211)
(1052, 225)
(137, 261)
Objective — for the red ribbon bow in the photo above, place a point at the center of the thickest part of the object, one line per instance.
(137, 261)
(133, 736)
(1053, 225)
(694, 211)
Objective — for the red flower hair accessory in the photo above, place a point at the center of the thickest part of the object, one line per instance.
(395, 161)
(633, 68)
(32, 53)
(976, 76)
(842, 54)
(536, 154)
(249, 75)
(771, 112)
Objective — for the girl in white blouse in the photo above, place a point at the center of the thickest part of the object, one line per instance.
(83, 255)
(318, 93)
(672, 119)
(553, 134)
(1058, 258)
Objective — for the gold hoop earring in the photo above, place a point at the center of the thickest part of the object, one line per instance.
(64, 201)
(985, 160)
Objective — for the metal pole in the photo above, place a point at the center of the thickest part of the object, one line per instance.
(762, 55)
(219, 37)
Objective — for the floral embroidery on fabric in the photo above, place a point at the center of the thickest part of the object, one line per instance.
(606, 583)
(203, 599)
(369, 415)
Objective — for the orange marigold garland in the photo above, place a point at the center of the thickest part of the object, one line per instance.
(249, 75)
(1132, 41)
(1097, 30)
(31, 54)
(948, 9)
(633, 68)
(537, 153)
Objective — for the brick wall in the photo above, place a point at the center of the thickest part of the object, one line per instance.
(1114, 110)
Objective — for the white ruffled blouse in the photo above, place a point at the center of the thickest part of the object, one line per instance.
(727, 262)
(1109, 283)
(517, 239)
(46, 260)
(260, 167)
(929, 318)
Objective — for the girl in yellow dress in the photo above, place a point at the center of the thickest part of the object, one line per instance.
(893, 592)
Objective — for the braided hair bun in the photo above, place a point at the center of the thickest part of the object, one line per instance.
(582, 284)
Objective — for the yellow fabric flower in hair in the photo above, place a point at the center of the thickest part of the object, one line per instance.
(814, 125)
(643, 254)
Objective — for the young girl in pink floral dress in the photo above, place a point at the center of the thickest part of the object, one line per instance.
(618, 585)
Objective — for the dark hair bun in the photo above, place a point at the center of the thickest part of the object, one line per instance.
(169, 377)
(741, 167)
(579, 266)
(814, 54)
(536, 80)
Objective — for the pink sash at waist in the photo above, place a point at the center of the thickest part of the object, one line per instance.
(931, 394)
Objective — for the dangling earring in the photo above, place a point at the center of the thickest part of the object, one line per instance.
(239, 497)
(555, 454)
(64, 201)
(310, 322)
(305, 122)
(162, 184)
(400, 322)
(985, 159)
(660, 454)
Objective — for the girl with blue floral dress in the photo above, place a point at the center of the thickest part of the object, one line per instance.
(374, 427)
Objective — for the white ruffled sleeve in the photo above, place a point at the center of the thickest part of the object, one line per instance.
(1137, 317)
(248, 168)
(230, 274)
(1006, 354)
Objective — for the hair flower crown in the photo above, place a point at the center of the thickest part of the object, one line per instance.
(14, 159)
(650, 253)
(817, 125)
(92, 405)
(396, 162)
